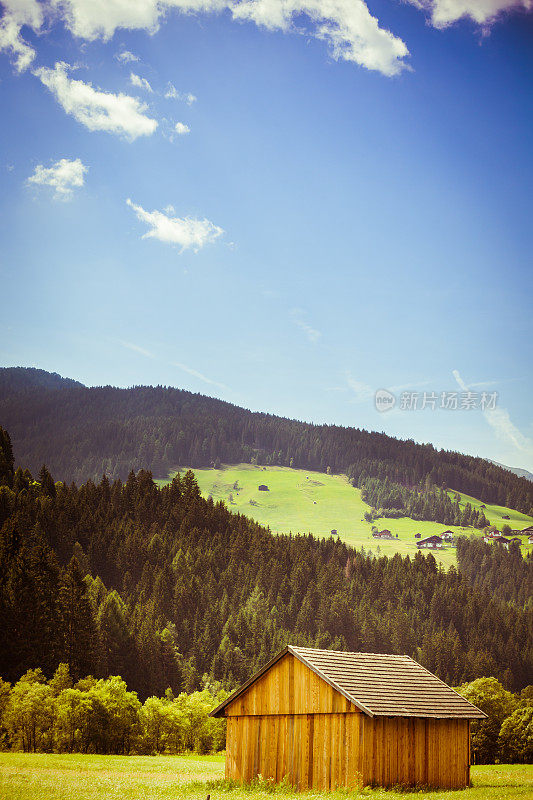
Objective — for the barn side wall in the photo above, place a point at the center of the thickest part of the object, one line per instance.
(405, 750)
(325, 751)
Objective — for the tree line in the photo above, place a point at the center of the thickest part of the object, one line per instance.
(163, 587)
(102, 716)
(82, 433)
(423, 502)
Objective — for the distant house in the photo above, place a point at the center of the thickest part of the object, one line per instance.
(430, 543)
(263, 488)
(492, 533)
(334, 532)
(527, 531)
(530, 539)
(447, 536)
(501, 540)
(383, 535)
(506, 516)
(418, 535)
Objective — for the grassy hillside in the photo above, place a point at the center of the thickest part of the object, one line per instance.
(29, 776)
(313, 502)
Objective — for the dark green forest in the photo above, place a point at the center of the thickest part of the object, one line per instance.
(168, 589)
(82, 433)
(425, 501)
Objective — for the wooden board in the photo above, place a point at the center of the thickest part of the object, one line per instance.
(310, 750)
(410, 752)
(290, 687)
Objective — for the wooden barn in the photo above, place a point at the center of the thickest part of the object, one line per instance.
(326, 719)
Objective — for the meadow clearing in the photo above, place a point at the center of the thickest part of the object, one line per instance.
(303, 501)
(28, 776)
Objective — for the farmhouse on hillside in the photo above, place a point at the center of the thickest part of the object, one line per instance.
(501, 540)
(431, 542)
(326, 719)
(263, 487)
(385, 534)
(447, 536)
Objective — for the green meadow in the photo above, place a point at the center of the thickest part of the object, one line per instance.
(28, 776)
(302, 501)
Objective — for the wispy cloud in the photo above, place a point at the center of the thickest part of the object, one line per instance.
(173, 94)
(500, 420)
(187, 232)
(298, 317)
(64, 176)
(361, 390)
(199, 375)
(140, 83)
(136, 348)
(126, 57)
(184, 367)
(96, 109)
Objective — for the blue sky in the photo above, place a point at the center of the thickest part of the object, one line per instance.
(288, 204)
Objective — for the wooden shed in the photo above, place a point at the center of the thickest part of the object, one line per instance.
(326, 719)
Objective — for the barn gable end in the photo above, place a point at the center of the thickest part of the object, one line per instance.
(289, 687)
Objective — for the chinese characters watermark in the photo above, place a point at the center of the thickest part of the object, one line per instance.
(448, 401)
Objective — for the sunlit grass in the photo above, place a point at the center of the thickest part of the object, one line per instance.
(312, 502)
(192, 777)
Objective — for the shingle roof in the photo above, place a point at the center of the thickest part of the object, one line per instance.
(387, 685)
(377, 683)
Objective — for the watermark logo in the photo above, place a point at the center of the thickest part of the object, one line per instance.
(384, 400)
(449, 401)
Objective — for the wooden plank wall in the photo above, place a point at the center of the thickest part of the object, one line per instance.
(312, 750)
(289, 687)
(424, 752)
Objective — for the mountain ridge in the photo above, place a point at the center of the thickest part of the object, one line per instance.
(83, 432)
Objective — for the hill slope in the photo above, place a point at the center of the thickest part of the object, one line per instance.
(84, 432)
(311, 502)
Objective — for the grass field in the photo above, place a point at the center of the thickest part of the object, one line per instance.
(89, 777)
(312, 502)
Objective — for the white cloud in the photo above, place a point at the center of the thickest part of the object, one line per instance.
(198, 375)
(91, 19)
(298, 317)
(140, 83)
(362, 391)
(186, 232)
(173, 94)
(136, 349)
(499, 419)
(347, 26)
(18, 13)
(97, 110)
(64, 176)
(484, 12)
(181, 129)
(126, 57)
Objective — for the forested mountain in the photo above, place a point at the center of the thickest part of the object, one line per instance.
(82, 433)
(162, 587)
